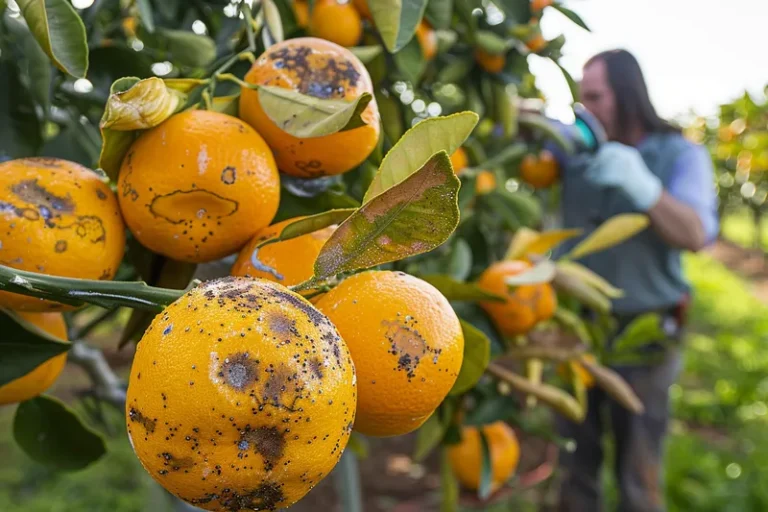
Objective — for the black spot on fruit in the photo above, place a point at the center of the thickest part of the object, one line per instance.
(268, 442)
(61, 246)
(239, 371)
(266, 496)
(228, 175)
(137, 417)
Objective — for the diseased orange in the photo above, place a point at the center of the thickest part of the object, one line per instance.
(337, 21)
(459, 160)
(540, 172)
(538, 5)
(427, 38)
(292, 260)
(587, 378)
(197, 187)
(407, 345)
(41, 378)
(301, 11)
(58, 218)
(492, 63)
(321, 69)
(466, 457)
(363, 9)
(526, 306)
(241, 396)
(536, 43)
(485, 182)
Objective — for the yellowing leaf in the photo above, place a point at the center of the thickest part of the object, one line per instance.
(411, 218)
(579, 271)
(417, 146)
(612, 232)
(146, 104)
(542, 272)
(523, 237)
(305, 116)
(184, 85)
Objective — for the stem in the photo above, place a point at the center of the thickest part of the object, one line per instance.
(309, 283)
(232, 78)
(347, 483)
(250, 34)
(107, 385)
(76, 292)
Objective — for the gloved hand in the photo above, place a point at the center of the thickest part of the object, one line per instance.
(621, 167)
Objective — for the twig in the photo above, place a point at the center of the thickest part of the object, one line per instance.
(549, 353)
(107, 385)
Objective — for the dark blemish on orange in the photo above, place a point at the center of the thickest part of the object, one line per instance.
(137, 417)
(406, 343)
(101, 195)
(316, 367)
(207, 204)
(330, 80)
(106, 275)
(31, 191)
(267, 496)
(314, 315)
(229, 175)
(61, 246)
(167, 330)
(280, 323)
(174, 463)
(239, 371)
(313, 168)
(266, 441)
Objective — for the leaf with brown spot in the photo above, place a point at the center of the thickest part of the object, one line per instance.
(411, 218)
(305, 116)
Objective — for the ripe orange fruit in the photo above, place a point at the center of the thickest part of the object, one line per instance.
(58, 218)
(459, 160)
(301, 11)
(538, 5)
(490, 62)
(337, 21)
(541, 171)
(41, 378)
(241, 396)
(198, 186)
(363, 9)
(466, 457)
(485, 182)
(407, 345)
(427, 38)
(325, 70)
(536, 43)
(293, 260)
(587, 378)
(526, 306)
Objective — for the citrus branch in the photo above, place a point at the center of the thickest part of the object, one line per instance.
(107, 385)
(76, 292)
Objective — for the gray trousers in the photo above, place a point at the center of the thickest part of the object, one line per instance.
(639, 441)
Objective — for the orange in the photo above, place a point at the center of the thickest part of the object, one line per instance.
(427, 38)
(541, 171)
(459, 160)
(198, 186)
(406, 343)
(324, 70)
(42, 377)
(301, 12)
(538, 5)
(526, 306)
(536, 43)
(293, 261)
(241, 396)
(58, 218)
(337, 21)
(492, 63)
(587, 378)
(485, 182)
(363, 9)
(466, 457)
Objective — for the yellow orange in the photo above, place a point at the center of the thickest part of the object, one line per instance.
(584, 375)
(406, 343)
(59, 218)
(540, 172)
(325, 70)
(492, 63)
(198, 186)
(459, 160)
(337, 21)
(466, 457)
(301, 11)
(363, 9)
(485, 182)
(427, 38)
(241, 396)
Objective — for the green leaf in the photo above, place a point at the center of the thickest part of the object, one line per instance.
(418, 145)
(24, 347)
(644, 329)
(449, 486)
(20, 133)
(573, 85)
(428, 436)
(366, 53)
(396, 20)
(486, 469)
(460, 262)
(305, 116)
(492, 43)
(439, 13)
(187, 48)
(311, 224)
(114, 146)
(610, 233)
(411, 218)
(50, 433)
(274, 23)
(359, 445)
(458, 290)
(35, 63)
(571, 15)
(410, 62)
(226, 104)
(495, 408)
(146, 16)
(60, 33)
(477, 355)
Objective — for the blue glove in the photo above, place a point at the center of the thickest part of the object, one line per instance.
(621, 167)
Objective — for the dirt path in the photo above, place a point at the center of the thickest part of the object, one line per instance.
(751, 264)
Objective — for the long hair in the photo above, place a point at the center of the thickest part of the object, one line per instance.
(633, 104)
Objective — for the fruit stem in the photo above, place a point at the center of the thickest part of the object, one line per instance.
(76, 292)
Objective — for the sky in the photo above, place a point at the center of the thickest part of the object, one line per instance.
(695, 54)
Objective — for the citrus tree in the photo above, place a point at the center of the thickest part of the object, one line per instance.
(325, 219)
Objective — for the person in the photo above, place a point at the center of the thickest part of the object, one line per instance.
(646, 166)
